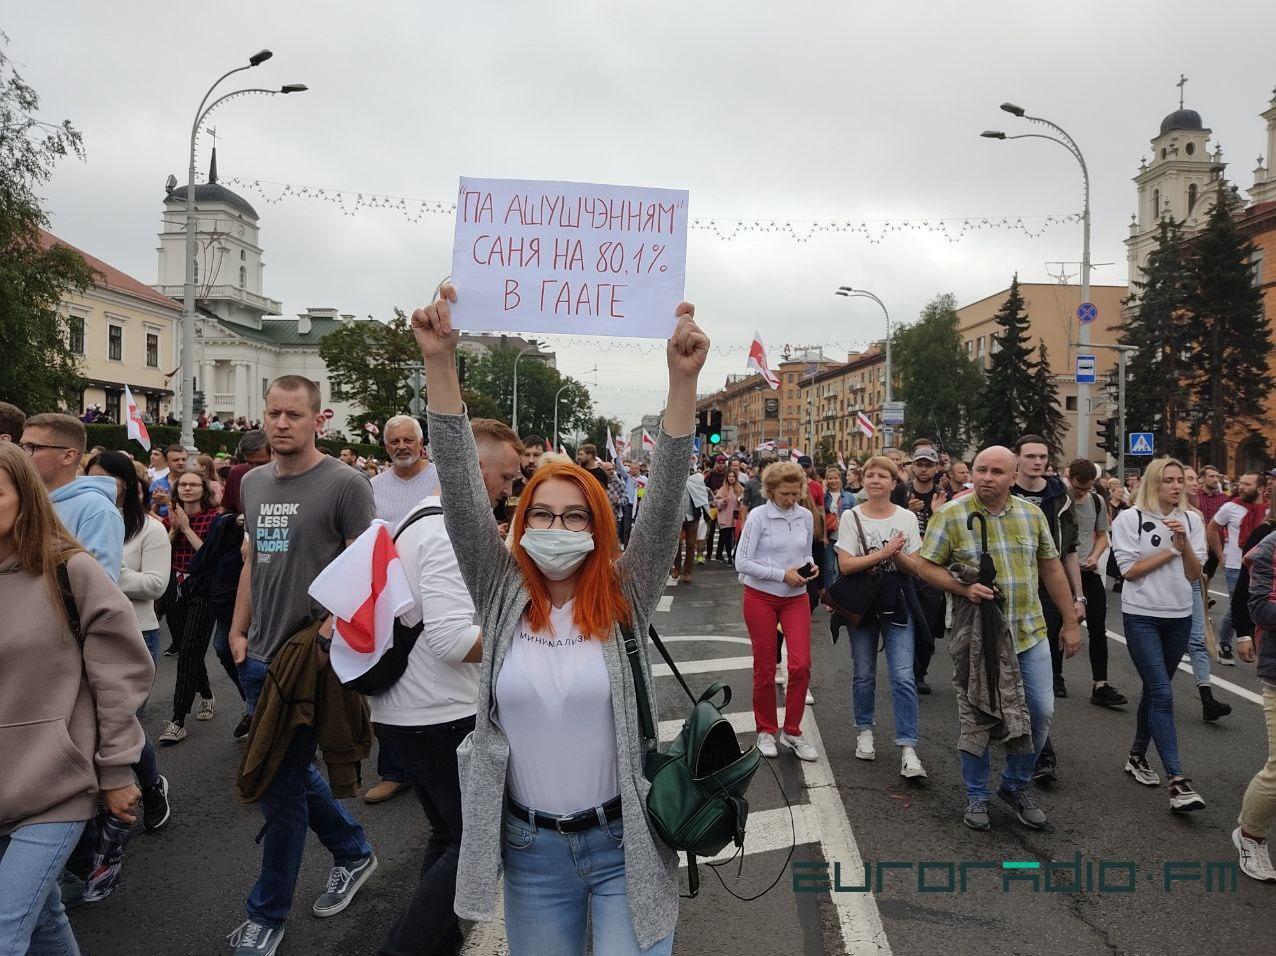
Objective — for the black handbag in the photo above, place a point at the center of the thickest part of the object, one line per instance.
(853, 596)
(697, 801)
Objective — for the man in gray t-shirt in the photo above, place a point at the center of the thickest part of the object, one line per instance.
(1090, 515)
(296, 525)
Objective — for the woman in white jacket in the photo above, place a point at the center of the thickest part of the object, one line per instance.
(1159, 547)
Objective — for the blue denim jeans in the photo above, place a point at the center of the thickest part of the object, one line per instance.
(898, 639)
(1038, 687)
(147, 766)
(558, 884)
(1196, 648)
(32, 920)
(296, 800)
(1225, 630)
(1156, 646)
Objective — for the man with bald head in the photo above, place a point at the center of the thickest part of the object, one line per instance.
(1024, 554)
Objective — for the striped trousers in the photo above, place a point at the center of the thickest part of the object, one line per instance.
(191, 621)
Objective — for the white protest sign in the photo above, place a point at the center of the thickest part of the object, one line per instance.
(572, 258)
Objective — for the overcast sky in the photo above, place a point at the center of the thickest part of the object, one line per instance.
(799, 110)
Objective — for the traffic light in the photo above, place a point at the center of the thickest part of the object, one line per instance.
(197, 402)
(1108, 436)
(702, 423)
(715, 428)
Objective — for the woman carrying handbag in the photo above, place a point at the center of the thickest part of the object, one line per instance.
(878, 537)
(553, 771)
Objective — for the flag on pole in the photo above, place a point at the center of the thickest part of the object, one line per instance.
(365, 588)
(648, 443)
(758, 362)
(766, 446)
(136, 427)
(841, 462)
(865, 424)
(613, 449)
(562, 450)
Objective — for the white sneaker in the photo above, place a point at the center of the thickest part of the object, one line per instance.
(910, 767)
(206, 711)
(766, 745)
(174, 733)
(799, 745)
(810, 698)
(864, 746)
(1256, 860)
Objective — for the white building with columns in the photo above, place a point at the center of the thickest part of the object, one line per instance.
(240, 343)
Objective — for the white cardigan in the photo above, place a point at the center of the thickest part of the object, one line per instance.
(144, 575)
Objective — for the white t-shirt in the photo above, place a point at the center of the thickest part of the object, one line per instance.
(553, 700)
(1230, 515)
(877, 531)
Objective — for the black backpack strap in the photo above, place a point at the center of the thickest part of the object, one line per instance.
(649, 739)
(68, 603)
(416, 516)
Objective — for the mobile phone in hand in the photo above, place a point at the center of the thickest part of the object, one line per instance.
(809, 570)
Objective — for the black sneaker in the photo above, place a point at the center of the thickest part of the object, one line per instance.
(1107, 696)
(1029, 814)
(1212, 709)
(1060, 688)
(1225, 657)
(241, 728)
(1137, 766)
(923, 688)
(155, 808)
(1183, 798)
(172, 651)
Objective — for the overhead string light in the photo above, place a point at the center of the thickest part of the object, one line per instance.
(876, 231)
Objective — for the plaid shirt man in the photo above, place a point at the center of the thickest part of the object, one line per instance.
(1018, 538)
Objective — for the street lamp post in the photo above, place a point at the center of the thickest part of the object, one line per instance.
(1083, 334)
(557, 395)
(188, 291)
(514, 413)
(846, 290)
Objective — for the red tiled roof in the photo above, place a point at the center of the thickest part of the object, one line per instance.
(112, 278)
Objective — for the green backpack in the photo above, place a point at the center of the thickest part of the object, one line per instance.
(697, 801)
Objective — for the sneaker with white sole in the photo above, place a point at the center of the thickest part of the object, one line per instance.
(766, 745)
(799, 745)
(1136, 765)
(1183, 796)
(1225, 657)
(206, 709)
(909, 766)
(251, 938)
(864, 746)
(155, 806)
(1256, 860)
(810, 698)
(174, 733)
(343, 884)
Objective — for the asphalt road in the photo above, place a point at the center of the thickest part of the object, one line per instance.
(185, 886)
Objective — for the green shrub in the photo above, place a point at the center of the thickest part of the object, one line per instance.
(208, 442)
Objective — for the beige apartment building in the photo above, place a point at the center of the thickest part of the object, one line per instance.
(125, 334)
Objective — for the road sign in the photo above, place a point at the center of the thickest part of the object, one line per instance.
(892, 413)
(1087, 312)
(1140, 443)
(1085, 370)
(329, 414)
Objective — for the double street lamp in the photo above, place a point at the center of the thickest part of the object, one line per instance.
(188, 296)
(1068, 143)
(514, 413)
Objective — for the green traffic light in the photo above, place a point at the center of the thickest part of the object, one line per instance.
(715, 438)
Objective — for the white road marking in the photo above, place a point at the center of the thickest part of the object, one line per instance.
(711, 666)
(666, 603)
(1225, 684)
(691, 638)
(768, 830)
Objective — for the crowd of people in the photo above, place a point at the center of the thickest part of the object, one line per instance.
(530, 574)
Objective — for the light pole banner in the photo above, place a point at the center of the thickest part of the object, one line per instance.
(571, 258)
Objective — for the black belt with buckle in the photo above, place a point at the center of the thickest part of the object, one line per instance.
(570, 823)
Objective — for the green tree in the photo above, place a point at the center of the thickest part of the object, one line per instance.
(371, 363)
(1004, 401)
(39, 371)
(596, 433)
(492, 375)
(1042, 415)
(937, 382)
(1160, 327)
(824, 453)
(1231, 376)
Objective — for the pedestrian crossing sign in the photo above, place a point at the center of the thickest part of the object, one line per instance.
(1140, 443)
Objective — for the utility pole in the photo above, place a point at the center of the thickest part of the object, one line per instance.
(1123, 352)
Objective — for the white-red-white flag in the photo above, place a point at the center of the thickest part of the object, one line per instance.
(757, 361)
(648, 443)
(865, 424)
(136, 427)
(365, 588)
(612, 448)
(841, 462)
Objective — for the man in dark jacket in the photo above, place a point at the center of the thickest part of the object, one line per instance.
(1258, 808)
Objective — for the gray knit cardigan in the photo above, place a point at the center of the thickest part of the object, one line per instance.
(496, 586)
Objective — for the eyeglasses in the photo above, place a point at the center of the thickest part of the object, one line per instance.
(31, 447)
(573, 519)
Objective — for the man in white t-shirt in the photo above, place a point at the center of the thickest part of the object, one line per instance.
(1231, 516)
(426, 714)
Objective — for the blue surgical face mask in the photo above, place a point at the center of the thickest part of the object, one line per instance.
(557, 552)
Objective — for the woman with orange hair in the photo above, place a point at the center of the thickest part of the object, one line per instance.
(552, 773)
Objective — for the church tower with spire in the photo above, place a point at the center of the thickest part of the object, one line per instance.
(1181, 182)
(228, 254)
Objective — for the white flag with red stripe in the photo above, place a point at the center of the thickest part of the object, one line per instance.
(365, 588)
(758, 362)
(865, 424)
(841, 462)
(136, 427)
(648, 443)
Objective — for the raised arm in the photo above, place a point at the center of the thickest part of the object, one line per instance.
(467, 511)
